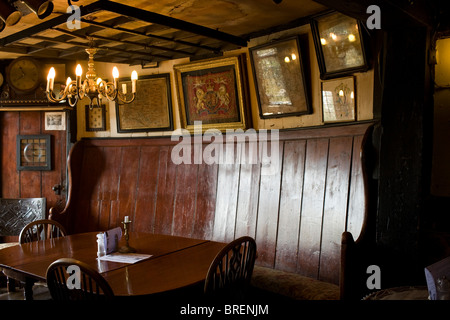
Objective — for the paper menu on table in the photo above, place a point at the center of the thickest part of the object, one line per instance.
(125, 257)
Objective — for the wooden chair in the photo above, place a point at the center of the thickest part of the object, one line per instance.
(34, 231)
(231, 270)
(92, 285)
(41, 230)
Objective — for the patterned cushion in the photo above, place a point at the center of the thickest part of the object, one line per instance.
(293, 285)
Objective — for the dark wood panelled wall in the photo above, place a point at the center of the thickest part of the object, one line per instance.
(296, 214)
(31, 184)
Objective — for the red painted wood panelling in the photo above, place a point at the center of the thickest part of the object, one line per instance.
(296, 211)
(31, 184)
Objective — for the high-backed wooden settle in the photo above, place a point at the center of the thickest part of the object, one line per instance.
(297, 213)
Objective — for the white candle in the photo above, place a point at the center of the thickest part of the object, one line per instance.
(51, 79)
(127, 219)
(134, 77)
(78, 73)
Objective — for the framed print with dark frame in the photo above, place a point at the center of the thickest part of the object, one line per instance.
(339, 45)
(152, 108)
(95, 117)
(213, 92)
(34, 152)
(338, 100)
(279, 79)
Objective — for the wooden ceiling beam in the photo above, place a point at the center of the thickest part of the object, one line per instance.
(137, 44)
(152, 36)
(160, 19)
(18, 36)
(79, 44)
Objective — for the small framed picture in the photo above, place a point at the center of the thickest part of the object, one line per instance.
(33, 152)
(55, 120)
(339, 45)
(279, 78)
(338, 100)
(95, 118)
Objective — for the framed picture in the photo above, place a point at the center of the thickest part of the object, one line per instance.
(55, 120)
(339, 45)
(279, 79)
(212, 92)
(95, 118)
(33, 152)
(338, 100)
(152, 108)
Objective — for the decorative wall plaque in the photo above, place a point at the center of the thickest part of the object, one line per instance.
(33, 152)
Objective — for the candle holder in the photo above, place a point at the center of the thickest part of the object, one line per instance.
(126, 248)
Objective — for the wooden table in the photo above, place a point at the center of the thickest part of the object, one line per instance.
(176, 262)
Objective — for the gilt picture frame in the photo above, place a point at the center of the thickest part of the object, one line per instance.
(213, 93)
(279, 78)
(339, 45)
(152, 108)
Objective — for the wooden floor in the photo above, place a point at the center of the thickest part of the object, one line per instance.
(39, 293)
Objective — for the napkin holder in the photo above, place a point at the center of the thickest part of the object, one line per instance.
(108, 241)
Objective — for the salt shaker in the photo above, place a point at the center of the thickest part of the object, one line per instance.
(100, 244)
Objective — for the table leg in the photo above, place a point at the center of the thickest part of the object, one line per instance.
(10, 284)
(28, 290)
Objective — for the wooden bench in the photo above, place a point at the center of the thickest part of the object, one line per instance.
(296, 213)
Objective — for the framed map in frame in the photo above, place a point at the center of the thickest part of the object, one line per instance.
(152, 108)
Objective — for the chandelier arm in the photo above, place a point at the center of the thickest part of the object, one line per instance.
(51, 96)
(124, 100)
(74, 103)
(110, 91)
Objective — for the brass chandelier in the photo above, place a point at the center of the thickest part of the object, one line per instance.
(92, 87)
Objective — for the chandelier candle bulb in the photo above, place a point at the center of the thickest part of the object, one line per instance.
(68, 82)
(78, 73)
(115, 76)
(127, 219)
(51, 79)
(92, 87)
(134, 77)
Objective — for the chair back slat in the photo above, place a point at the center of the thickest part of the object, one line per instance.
(41, 230)
(92, 285)
(230, 272)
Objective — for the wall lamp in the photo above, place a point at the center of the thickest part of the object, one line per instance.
(10, 15)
